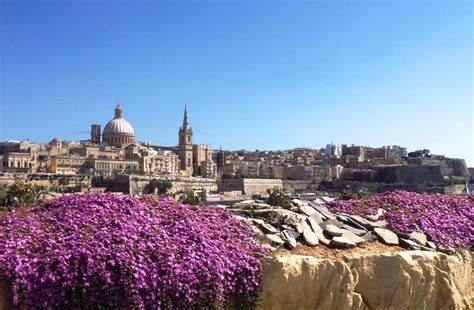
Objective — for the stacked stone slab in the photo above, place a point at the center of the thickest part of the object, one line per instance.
(313, 224)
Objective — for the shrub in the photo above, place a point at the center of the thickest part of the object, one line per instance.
(115, 251)
(21, 194)
(445, 219)
(160, 187)
(278, 197)
(190, 198)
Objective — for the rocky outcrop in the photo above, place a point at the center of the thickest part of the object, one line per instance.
(401, 280)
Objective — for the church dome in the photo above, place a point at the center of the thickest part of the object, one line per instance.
(119, 125)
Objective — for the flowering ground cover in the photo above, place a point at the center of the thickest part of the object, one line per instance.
(445, 219)
(116, 251)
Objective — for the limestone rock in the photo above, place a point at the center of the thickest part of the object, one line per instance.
(289, 240)
(352, 237)
(325, 212)
(387, 236)
(356, 231)
(299, 203)
(408, 280)
(322, 239)
(407, 243)
(307, 210)
(418, 237)
(275, 239)
(343, 242)
(331, 222)
(310, 237)
(317, 217)
(333, 230)
(431, 244)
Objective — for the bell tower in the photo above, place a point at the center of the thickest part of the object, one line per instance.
(185, 144)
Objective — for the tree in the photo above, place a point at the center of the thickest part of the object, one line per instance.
(161, 187)
(420, 153)
(278, 197)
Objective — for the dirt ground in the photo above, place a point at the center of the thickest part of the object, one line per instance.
(321, 251)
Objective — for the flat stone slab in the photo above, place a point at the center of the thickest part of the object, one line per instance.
(387, 236)
(299, 202)
(317, 217)
(358, 232)
(331, 222)
(269, 228)
(431, 244)
(310, 237)
(343, 242)
(333, 230)
(275, 239)
(325, 212)
(352, 237)
(307, 210)
(318, 231)
(411, 245)
(419, 237)
(290, 242)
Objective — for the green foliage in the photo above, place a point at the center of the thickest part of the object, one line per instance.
(348, 194)
(190, 198)
(21, 194)
(278, 197)
(420, 153)
(160, 187)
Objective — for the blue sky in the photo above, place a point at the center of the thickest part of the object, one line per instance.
(255, 75)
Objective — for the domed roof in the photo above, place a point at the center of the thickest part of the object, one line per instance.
(119, 125)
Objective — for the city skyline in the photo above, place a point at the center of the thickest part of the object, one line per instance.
(266, 76)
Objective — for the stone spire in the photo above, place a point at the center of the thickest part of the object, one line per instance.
(185, 118)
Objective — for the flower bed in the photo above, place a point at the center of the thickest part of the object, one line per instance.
(116, 251)
(445, 219)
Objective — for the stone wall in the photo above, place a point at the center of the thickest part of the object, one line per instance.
(291, 186)
(249, 186)
(403, 280)
(410, 174)
(138, 183)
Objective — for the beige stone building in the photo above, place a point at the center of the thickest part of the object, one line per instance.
(153, 161)
(107, 166)
(67, 164)
(16, 162)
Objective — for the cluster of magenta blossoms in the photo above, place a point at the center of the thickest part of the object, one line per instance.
(445, 219)
(115, 251)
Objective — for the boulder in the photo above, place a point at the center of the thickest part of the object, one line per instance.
(386, 236)
(409, 280)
